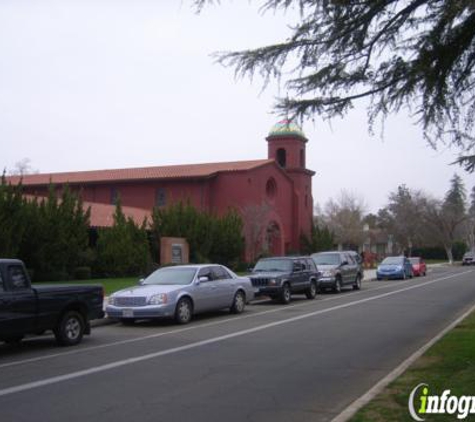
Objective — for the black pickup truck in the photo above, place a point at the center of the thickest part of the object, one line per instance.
(24, 309)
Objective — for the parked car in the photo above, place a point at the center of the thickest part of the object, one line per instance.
(180, 292)
(468, 258)
(419, 267)
(337, 269)
(27, 309)
(394, 267)
(280, 277)
(359, 261)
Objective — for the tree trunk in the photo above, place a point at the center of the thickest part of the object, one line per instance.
(448, 251)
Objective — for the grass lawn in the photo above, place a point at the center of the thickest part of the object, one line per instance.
(111, 285)
(436, 261)
(448, 365)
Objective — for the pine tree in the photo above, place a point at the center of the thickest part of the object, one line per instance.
(321, 239)
(123, 249)
(57, 235)
(13, 219)
(400, 54)
(446, 217)
(210, 238)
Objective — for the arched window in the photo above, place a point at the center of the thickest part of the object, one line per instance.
(282, 157)
(271, 188)
(160, 197)
(114, 195)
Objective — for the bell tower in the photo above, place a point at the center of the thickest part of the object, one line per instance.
(287, 146)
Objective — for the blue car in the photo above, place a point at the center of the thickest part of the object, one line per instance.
(394, 267)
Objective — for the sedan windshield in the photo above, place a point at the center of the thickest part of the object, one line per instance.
(274, 265)
(326, 259)
(171, 277)
(392, 260)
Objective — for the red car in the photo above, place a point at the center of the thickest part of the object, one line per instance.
(419, 267)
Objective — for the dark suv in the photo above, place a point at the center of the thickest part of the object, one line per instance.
(337, 269)
(279, 277)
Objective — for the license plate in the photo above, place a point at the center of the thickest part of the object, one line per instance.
(128, 313)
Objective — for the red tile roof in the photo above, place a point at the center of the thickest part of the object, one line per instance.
(102, 215)
(145, 173)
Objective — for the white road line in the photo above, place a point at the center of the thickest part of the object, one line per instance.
(181, 330)
(129, 361)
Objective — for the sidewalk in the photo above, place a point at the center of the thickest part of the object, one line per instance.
(369, 274)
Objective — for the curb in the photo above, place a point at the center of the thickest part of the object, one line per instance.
(353, 408)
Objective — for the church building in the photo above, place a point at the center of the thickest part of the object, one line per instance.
(273, 195)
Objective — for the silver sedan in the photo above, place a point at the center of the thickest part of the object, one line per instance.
(180, 292)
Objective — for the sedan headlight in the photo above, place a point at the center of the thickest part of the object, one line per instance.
(111, 301)
(159, 299)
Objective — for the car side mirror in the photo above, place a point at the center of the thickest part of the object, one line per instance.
(203, 279)
(141, 282)
(344, 263)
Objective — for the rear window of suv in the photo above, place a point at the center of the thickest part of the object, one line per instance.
(284, 265)
(326, 259)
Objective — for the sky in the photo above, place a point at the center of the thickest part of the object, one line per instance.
(104, 84)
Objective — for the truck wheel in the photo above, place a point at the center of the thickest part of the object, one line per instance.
(239, 303)
(285, 295)
(70, 329)
(337, 285)
(312, 290)
(357, 285)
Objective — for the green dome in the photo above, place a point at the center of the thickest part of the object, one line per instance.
(286, 127)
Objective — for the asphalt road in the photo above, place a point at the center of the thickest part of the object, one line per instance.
(303, 362)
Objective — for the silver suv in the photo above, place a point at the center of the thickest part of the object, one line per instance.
(338, 269)
(468, 258)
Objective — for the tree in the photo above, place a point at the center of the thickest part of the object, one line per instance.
(210, 237)
(470, 222)
(344, 218)
(228, 241)
(403, 217)
(184, 220)
(412, 54)
(321, 239)
(23, 167)
(446, 217)
(13, 219)
(56, 236)
(256, 218)
(123, 249)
